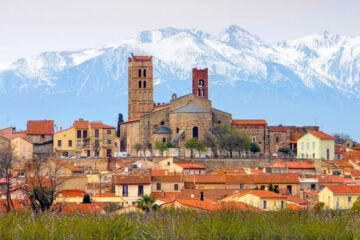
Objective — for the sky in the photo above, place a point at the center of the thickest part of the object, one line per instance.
(28, 28)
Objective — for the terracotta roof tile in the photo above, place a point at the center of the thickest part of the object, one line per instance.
(214, 194)
(167, 178)
(169, 195)
(190, 165)
(229, 171)
(132, 179)
(69, 166)
(140, 58)
(69, 193)
(344, 189)
(205, 179)
(293, 199)
(296, 165)
(258, 193)
(45, 127)
(249, 122)
(265, 178)
(321, 135)
(162, 105)
(85, 124)
(131, 121)
(330, 178)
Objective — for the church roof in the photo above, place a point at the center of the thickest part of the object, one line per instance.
(162, 130)
(190, 108)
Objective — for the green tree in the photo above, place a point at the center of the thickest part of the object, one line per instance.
(194, 143)
(162, 147)
(86, 198)
(284, 150)
(42, 198)
(138, 147)
(210, 142)
(318, 207)
(356, 206)
(254, 148)
(147, 203)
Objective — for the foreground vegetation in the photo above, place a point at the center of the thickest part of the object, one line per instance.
(175, 224)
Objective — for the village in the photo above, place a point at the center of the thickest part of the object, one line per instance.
(183, 154)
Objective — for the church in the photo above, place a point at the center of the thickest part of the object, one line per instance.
(189, 116)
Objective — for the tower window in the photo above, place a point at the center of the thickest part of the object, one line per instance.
(277, 139)
(198, 92)
(144, 84)
(162, 123)
(201, 83)
(139, 84)
(139, 73)
(164, 140)
(144, 73)
(177, 130)
(203, 92)
(195, 132)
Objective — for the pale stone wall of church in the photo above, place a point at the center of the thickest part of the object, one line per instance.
(181, 101)
(221, 117)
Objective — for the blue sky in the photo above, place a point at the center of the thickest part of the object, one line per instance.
(30, 27)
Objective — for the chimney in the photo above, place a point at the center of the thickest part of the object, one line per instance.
(60, 128)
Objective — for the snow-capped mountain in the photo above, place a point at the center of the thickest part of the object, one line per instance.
(241, 66)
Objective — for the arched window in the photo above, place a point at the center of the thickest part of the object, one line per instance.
(203, 92)
(164, 140)
(195, 132)
(162, 123)
(144, 73)
(139, 84)
(277, 139)
(144, 84)
(201, 83)
(139, 73)
(219, 122)
(177, 130)
(253, 139)
(198, 92)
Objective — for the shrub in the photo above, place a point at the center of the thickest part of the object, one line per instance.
(318, 207)
(86, 198)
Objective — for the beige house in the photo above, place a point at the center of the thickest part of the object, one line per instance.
(132, 187)
(339, 197)
(316, 145)
(23, 150)
(263, 199)
(167, 183)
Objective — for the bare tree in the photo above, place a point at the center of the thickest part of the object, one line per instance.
(6, 165)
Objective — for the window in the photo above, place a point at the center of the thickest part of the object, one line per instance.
(177, 130)
(88, 153)
(312, 186)
(277, 139)
(253, 139)
(327, 154)
(241, 186)
(349, 199)
(264, 204)
(289, 189)
(198, 92)
(78, 143)
(108, 132)
(144, 84)
(141, 190)
(42, 136)
(78, 134)
(125, 190)
(70, 143)
(139, 84)
(108, 153)
(164, 140)
(313, 155)
(85, 134)
(162, 123)
(59, 143)
(307, 146)
(108, 141)
(144, 72)
(139, 73)
(201, 83)
(168, 163)
(176, 186)
(97, 133)
(85, 143)
(281, 204)
(158, 186)
(195, 132)
(276, 188)
(302, 155)
(313, 145)
(203, 92)
(302, 146)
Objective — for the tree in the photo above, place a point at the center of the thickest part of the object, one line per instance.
(6, 165)
(162, 147)
(194, 143)
(147, 203)
(41, 197)
(318, 207)
(120, 120)
(112, 207)
(210, 142)
(356, 206)
(138, 147)
(254, 148)
(234, 140)
(86, 198)
(341, 137)
(284, 150)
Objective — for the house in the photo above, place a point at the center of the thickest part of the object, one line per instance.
(167, 183)
(339, 197)
(201, 181)
(11, 133)
(262, 199)
(316, 145)
(22, 149)
(86, 139)
(301, 167)
(70, 195)
(132, 187)
(191, 168)
(295, 203)
(41, 134)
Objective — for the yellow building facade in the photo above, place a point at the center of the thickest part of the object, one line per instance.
(23, 150)
(85, 139)
(316, 145)
(339, 197)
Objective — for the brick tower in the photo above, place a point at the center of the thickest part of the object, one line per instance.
(200, 82)
(140, 86)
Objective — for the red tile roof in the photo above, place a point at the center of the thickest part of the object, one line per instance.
(69, 166)
(45, 127)
(214, 194)
(321, 135)
(10, 134)
(190, 165)
(132, 179)
(355, 173)
(85, 124)
(258, 193)
(249, 122)
(210, 205)
(69, 207)
(205, 179)
(296, 165)
(229, 171)
(294, 136)
(344, 189)
(299, 201)
(141, 58)
(131, 121)
(170, 195)
(330, 178)
(167, 178)
(69, 193)
(265, 178)
(278, 129)
(19, 204)
(163, 172)
(162, 105)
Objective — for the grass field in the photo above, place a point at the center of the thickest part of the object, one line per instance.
(175, 224)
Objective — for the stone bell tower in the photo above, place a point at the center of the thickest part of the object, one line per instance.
(200, 82)
(140, 86)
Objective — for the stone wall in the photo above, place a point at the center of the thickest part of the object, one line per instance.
(42, 144)
(221, 117)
